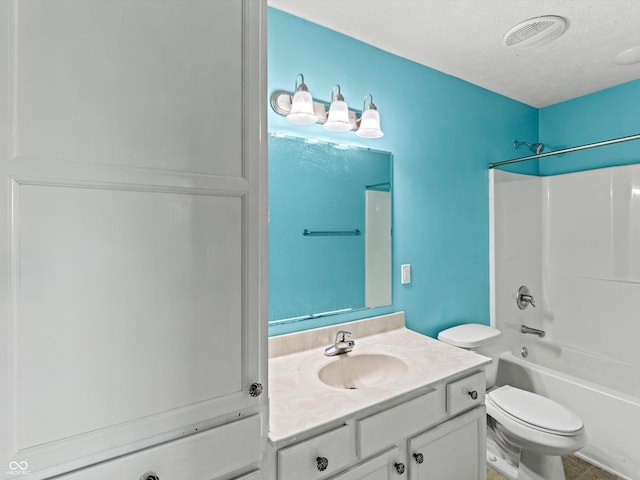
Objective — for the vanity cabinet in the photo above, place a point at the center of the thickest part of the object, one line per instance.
(439, 434)
(132, 238)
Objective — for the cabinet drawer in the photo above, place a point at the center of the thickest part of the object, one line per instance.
(460, 394)
(203, 456)
(383, 429)
(300, 461)
(380, 467)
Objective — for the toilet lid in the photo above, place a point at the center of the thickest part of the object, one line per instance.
(536, 410)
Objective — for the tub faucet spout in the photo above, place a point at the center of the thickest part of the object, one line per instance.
(533, 331)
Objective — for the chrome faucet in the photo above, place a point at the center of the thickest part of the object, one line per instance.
(341, 345)
(534, 331)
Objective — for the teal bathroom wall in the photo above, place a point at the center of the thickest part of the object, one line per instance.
(604, 115)
(443, 132)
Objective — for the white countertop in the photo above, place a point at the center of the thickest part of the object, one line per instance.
(300, 402)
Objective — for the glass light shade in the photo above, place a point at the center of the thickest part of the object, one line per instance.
(338, 119)
(302, 112)
(370, 124)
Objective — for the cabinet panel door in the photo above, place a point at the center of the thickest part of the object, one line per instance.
(129, 308)
(454, 450)
(150, 69)
(131, 233)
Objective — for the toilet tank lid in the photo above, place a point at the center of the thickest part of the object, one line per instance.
(470, 335)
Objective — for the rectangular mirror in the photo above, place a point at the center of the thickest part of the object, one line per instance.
(329, 228)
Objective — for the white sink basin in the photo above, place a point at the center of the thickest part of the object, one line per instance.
(362, 371)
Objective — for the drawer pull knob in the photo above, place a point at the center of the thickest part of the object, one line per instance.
(473, 394)
(322, 463)
(255, 390)
(419, 458)
(149, 476)
(399, 468)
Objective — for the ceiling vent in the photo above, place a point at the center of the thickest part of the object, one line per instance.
(535, 31)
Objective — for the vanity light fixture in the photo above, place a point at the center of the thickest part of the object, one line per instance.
(301, 108)
(301, 112)
(370, 120)
(338, 119)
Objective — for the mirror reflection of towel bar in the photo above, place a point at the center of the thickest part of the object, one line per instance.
(308, 233)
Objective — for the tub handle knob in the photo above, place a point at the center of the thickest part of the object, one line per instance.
(524, 298)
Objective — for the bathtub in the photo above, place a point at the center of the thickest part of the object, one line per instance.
(611, 418)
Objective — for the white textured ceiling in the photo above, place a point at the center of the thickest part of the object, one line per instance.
(463, 38)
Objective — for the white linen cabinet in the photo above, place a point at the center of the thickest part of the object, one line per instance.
(132, 238)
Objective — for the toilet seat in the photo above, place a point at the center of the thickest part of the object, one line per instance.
(536, 411)
(545, 438)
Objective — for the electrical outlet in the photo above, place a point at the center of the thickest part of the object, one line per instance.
(406, 273)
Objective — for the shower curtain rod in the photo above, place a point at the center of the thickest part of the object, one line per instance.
(567, 150)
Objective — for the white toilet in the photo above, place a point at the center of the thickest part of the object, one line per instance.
(526, 432)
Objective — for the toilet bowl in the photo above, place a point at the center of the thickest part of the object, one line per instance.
(526, 432)
(535, 422)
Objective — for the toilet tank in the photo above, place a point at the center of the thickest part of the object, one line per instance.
(481, 339)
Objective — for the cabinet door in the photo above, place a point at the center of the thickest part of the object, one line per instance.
(131, 235)
(453, 450)
(381, 467)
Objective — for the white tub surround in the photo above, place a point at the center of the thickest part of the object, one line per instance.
(572, 240)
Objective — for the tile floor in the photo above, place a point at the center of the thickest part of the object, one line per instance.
(574, 469)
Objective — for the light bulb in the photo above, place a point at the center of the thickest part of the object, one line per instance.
(302, 111)
(338, 119)
(370, 124)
